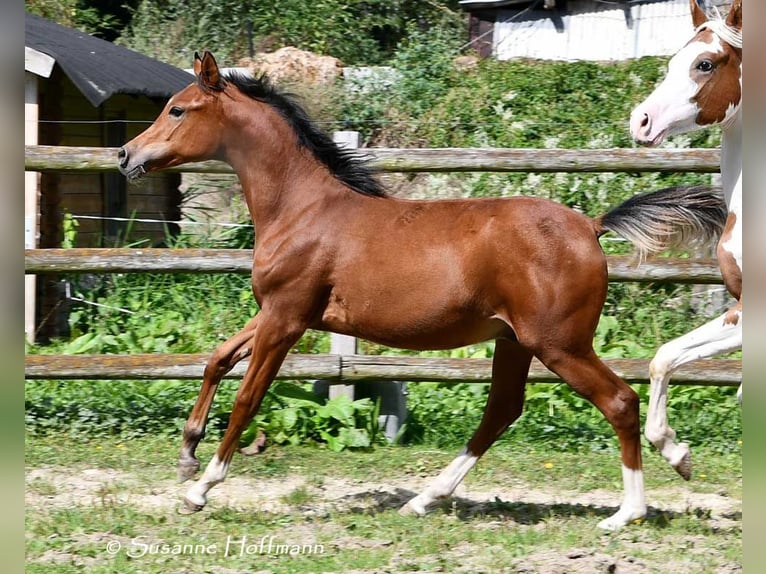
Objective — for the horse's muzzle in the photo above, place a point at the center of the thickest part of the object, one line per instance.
(123, 161)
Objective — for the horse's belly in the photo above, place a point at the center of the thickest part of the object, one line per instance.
(413, 329)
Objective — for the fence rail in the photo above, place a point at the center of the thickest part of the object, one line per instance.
(127, 260)
(701, 160)
(352, 369)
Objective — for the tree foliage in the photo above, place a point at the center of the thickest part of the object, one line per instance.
(355, 32)
(103, 18)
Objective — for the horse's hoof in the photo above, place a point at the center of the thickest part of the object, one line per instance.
(684, 467)
(410, 510)
(256, 447)
(187, 470)
(623, 518)
(189, 507)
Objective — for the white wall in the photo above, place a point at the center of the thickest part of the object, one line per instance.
(596, 31)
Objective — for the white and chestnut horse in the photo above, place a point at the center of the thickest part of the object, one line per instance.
(703, 87)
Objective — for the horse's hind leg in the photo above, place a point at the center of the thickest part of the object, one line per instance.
(592, 379)
(717, 336)
(510, 367)
(220, 362)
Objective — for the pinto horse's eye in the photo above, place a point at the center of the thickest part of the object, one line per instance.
(176, 112)
(705, 66)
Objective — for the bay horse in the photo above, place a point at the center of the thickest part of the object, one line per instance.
(335, 252)
(703, 87)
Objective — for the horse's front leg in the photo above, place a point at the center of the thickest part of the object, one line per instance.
(270, 345)
(221, 362)
(717, 336)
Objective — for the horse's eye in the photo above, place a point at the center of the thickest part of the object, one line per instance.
(705, 66)
(176, 112)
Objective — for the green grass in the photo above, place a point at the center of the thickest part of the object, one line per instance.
(361, 530)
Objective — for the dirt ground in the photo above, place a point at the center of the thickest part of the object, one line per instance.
(65, 487)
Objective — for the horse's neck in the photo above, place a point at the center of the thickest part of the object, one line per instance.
(278, 198)
(731, 161)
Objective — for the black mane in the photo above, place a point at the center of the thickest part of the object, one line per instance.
(345, 164)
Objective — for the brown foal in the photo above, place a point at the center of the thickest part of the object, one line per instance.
(335, 253)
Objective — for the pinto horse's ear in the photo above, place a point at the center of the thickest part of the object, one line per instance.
(698, 14)
(206, 70)
(734, 17)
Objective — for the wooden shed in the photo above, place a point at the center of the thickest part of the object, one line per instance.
(84, 91)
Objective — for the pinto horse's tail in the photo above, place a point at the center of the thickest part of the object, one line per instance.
(667, 218)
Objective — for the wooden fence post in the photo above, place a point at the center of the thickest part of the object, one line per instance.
(31, 201)
(344, 344)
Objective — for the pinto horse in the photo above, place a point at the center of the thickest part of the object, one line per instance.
(334, 252)
(703, 87)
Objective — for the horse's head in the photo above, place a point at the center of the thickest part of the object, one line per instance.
(703, 85)
(187, 129)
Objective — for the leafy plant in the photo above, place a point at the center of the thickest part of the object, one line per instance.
(301, 416)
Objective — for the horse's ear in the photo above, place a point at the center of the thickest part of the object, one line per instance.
(206, 70)
(734, 17)
(698, 14)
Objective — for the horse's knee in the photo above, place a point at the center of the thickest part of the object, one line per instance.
(217, 363)
(662, 362)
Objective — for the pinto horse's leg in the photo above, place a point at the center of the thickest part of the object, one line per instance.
(220, 362)
(270, 345)
(717, 336)
(619, 403)
(510, 367)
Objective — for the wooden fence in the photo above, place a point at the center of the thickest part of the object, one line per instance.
(62, 159)
(354, 368)
(136, 260)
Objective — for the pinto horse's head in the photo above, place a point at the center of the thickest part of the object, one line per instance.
(186, 130)
(703, 86)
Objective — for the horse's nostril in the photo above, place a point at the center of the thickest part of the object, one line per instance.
(645, 120)
(122, 156)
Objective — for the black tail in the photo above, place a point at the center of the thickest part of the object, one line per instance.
(668, 218)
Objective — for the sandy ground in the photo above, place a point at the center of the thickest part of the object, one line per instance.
(61, 487)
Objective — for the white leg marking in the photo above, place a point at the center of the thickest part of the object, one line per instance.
(633, 504)
(214, 473)
(444, 485)
(710, 339)
(739, 395)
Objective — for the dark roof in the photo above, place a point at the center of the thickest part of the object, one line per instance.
(101, 69)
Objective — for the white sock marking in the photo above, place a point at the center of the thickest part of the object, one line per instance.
(445, 484)
(214, 473)
(633, 504)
